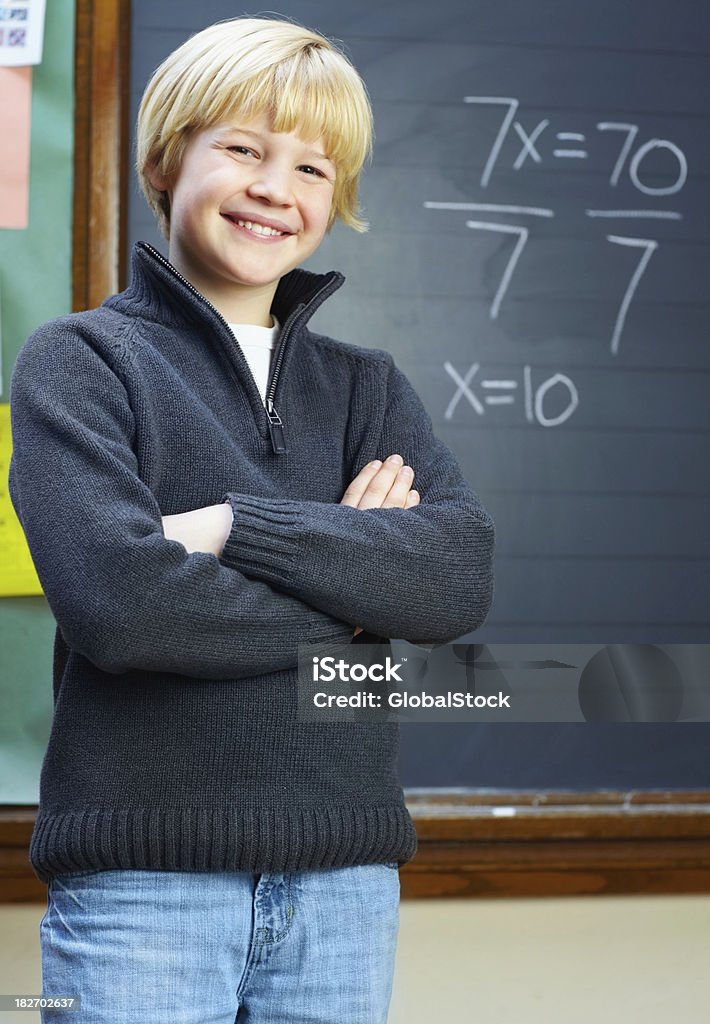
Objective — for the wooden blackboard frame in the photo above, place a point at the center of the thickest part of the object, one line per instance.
(101, 157)
(471, 843)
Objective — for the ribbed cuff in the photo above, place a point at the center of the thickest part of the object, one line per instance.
(264, 535)
(263, 542)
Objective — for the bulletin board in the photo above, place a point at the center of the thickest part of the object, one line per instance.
(64, 255)
(35, 285)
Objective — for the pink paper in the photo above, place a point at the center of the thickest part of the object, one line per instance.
(15, 117)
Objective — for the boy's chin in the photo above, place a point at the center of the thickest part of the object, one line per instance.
(257, 284)
(262, 277)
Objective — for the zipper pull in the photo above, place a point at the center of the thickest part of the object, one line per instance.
(276, 429)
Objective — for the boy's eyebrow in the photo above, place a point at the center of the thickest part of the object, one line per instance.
(256, 135)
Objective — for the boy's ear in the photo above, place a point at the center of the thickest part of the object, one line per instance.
(157, 180)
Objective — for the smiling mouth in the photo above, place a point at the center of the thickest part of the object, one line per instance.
(258, 229)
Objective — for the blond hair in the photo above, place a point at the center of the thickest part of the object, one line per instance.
(253, 66)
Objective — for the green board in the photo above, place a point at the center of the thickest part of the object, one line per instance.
(35, 286)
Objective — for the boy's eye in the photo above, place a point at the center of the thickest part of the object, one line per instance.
(246, 151)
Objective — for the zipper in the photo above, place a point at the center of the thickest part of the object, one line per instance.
(275, 423)
(298, 313)
(276, 426)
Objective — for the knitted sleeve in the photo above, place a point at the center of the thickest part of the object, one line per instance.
(423, 574)
(122, 594)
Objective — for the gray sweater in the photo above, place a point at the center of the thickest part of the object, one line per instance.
(175, 742)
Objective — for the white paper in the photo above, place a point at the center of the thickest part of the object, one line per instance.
(21, 32)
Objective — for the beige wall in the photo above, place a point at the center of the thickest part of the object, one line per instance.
(602, 960)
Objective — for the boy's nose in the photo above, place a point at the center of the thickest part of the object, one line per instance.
(272, 186)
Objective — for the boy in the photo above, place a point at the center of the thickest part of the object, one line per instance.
(195, 510)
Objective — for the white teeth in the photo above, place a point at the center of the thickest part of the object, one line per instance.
(259, 229)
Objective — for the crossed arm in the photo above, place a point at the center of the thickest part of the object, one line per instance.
(377, 485)
(133, 590)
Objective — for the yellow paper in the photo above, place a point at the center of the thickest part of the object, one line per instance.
(15, 118)
(18, 577)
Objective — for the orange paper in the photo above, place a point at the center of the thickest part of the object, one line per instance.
(15, 118)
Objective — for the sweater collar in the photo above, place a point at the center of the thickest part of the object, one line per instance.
(158, 291)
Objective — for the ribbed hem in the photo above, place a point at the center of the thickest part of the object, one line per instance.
(191, 839)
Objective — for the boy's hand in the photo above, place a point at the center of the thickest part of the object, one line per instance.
(382, 485)
(202, 529)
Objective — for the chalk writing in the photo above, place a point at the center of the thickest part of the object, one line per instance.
(536, 398)
(630, 160)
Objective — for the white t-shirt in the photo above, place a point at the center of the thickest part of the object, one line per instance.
(257, 344)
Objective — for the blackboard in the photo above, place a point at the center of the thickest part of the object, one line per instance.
(538, 263)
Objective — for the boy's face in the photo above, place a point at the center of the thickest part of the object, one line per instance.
(240, 173)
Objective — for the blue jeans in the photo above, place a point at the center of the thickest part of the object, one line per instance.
(181, 947)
